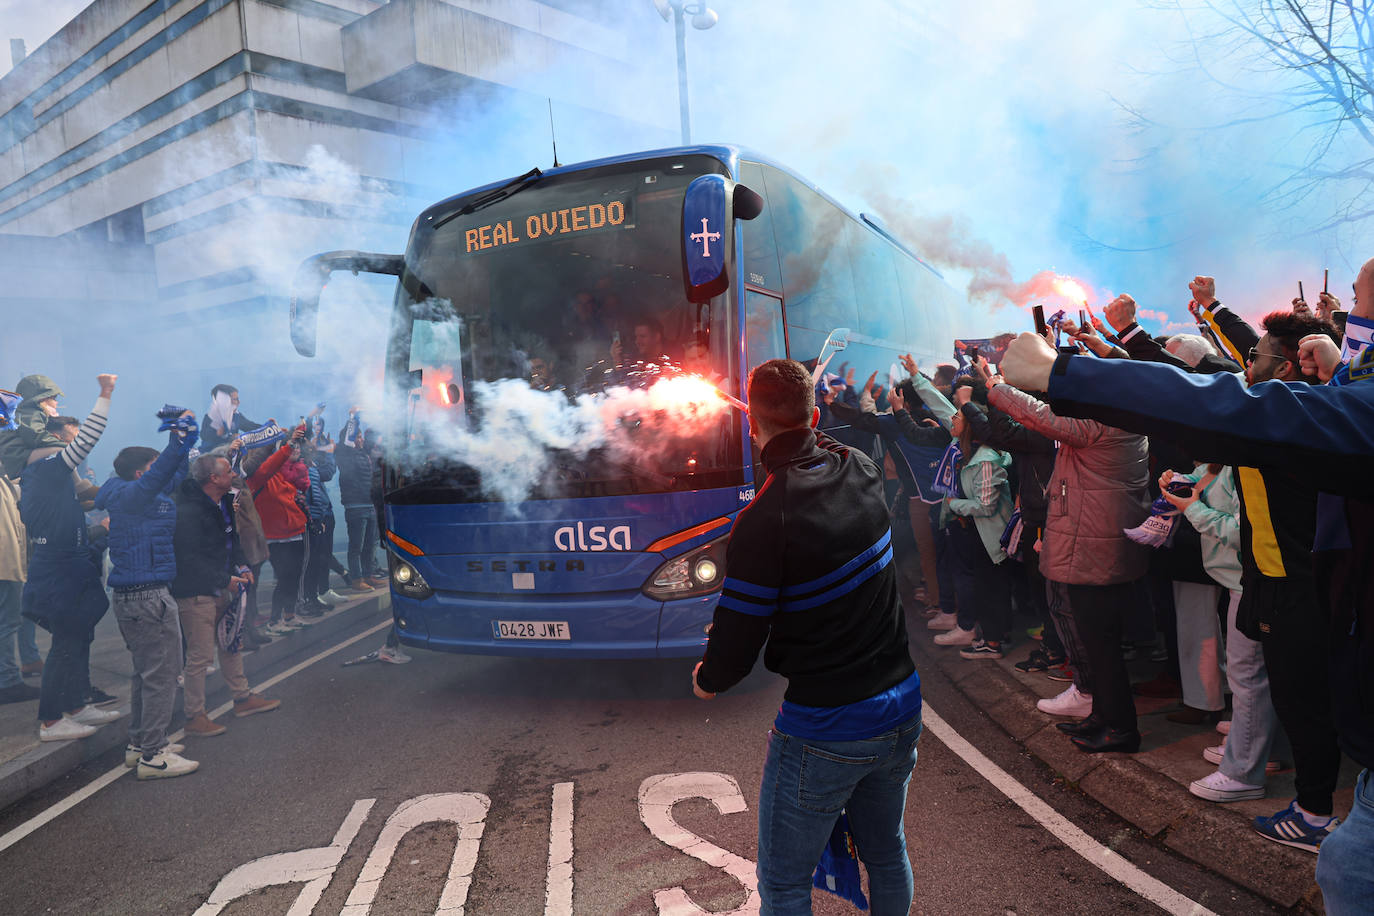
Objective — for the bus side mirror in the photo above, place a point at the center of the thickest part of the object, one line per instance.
(311, 278)
(709, 202)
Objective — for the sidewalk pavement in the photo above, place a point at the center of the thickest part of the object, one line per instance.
(26, 764)
(1149, 789)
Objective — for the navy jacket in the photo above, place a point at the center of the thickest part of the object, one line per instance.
(207, 542)
(143, 519)
(355, 475)
(809, 572)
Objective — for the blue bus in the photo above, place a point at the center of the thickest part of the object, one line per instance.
(707, 255)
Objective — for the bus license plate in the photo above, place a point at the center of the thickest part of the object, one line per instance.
(530, 629)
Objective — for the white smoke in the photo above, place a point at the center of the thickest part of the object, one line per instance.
(647, 433)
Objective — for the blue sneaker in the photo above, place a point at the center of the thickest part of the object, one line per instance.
(1290, 828)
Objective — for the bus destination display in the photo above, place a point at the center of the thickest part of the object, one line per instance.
(566, 221)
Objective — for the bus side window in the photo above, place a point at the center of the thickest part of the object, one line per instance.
(765, 337)
(920, 291)
(760, 248)
(816, 278)
(879, 298)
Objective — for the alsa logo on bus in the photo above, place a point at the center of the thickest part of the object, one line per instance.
(596, 537)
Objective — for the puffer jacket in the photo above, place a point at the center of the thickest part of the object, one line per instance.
(1098, 490)
(355, 474)
(30, 430)
(143, 519)
(321, 471)
(14, 542)
(274, 486)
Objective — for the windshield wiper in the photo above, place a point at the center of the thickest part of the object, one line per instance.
(495, 195)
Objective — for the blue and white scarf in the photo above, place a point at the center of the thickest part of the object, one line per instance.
(947, 472)
(266, 434)
(171, 417)
(1158, 529)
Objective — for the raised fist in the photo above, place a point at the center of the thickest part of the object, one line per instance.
(1204, 290)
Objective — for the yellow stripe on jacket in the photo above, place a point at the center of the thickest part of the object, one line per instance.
(1221, 336)
(1264, 543)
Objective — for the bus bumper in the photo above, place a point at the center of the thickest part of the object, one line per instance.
(607, 627)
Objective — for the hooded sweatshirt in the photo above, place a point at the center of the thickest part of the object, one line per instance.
(31, 430)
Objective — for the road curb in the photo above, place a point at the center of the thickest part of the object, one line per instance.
(1212, 836)
(45, 763)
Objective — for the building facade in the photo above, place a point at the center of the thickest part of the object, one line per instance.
(202, 147)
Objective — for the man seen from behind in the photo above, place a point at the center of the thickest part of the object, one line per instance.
(811, 583)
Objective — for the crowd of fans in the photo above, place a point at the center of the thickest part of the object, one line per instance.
(1121, 545)
(175, 541)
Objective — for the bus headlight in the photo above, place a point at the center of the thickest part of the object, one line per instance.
(697, 572)
(406, 579)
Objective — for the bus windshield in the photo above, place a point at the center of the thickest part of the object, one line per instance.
(571, 287)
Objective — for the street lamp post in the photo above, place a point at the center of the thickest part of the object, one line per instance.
(703, 17)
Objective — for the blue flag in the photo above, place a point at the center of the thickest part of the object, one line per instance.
(9, 403)
(838, 870)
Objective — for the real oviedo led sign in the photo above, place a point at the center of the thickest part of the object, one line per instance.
(546, 225)
(704, 211)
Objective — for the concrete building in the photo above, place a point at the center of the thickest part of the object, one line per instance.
(164, 166)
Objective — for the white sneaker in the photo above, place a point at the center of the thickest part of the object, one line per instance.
(1224, 727)
(393, 654)
(89, 715)
(955, 637)
(1222, 788)
(131, 753)
(166, 765)
(1072, 702)
(65, 729)
(942, 621)
(1214, 754)
(333, 598)
(278, 629)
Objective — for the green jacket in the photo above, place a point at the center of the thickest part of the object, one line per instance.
(986, 500)
(1216, 516)
(32, 431)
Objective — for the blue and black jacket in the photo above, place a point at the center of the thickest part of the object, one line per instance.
(810, 574)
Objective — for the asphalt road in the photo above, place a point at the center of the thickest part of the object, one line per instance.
(489, 743)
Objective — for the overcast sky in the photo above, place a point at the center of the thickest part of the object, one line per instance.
(1074, 135)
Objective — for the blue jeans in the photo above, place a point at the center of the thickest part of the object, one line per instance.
(806, 784)
(1254, 724)
(1343, 871)
(11, 600)
(28, 642)
(361, 522)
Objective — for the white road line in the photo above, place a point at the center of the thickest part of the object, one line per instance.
(71, 801)
(1152, 889)
(558, 892)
